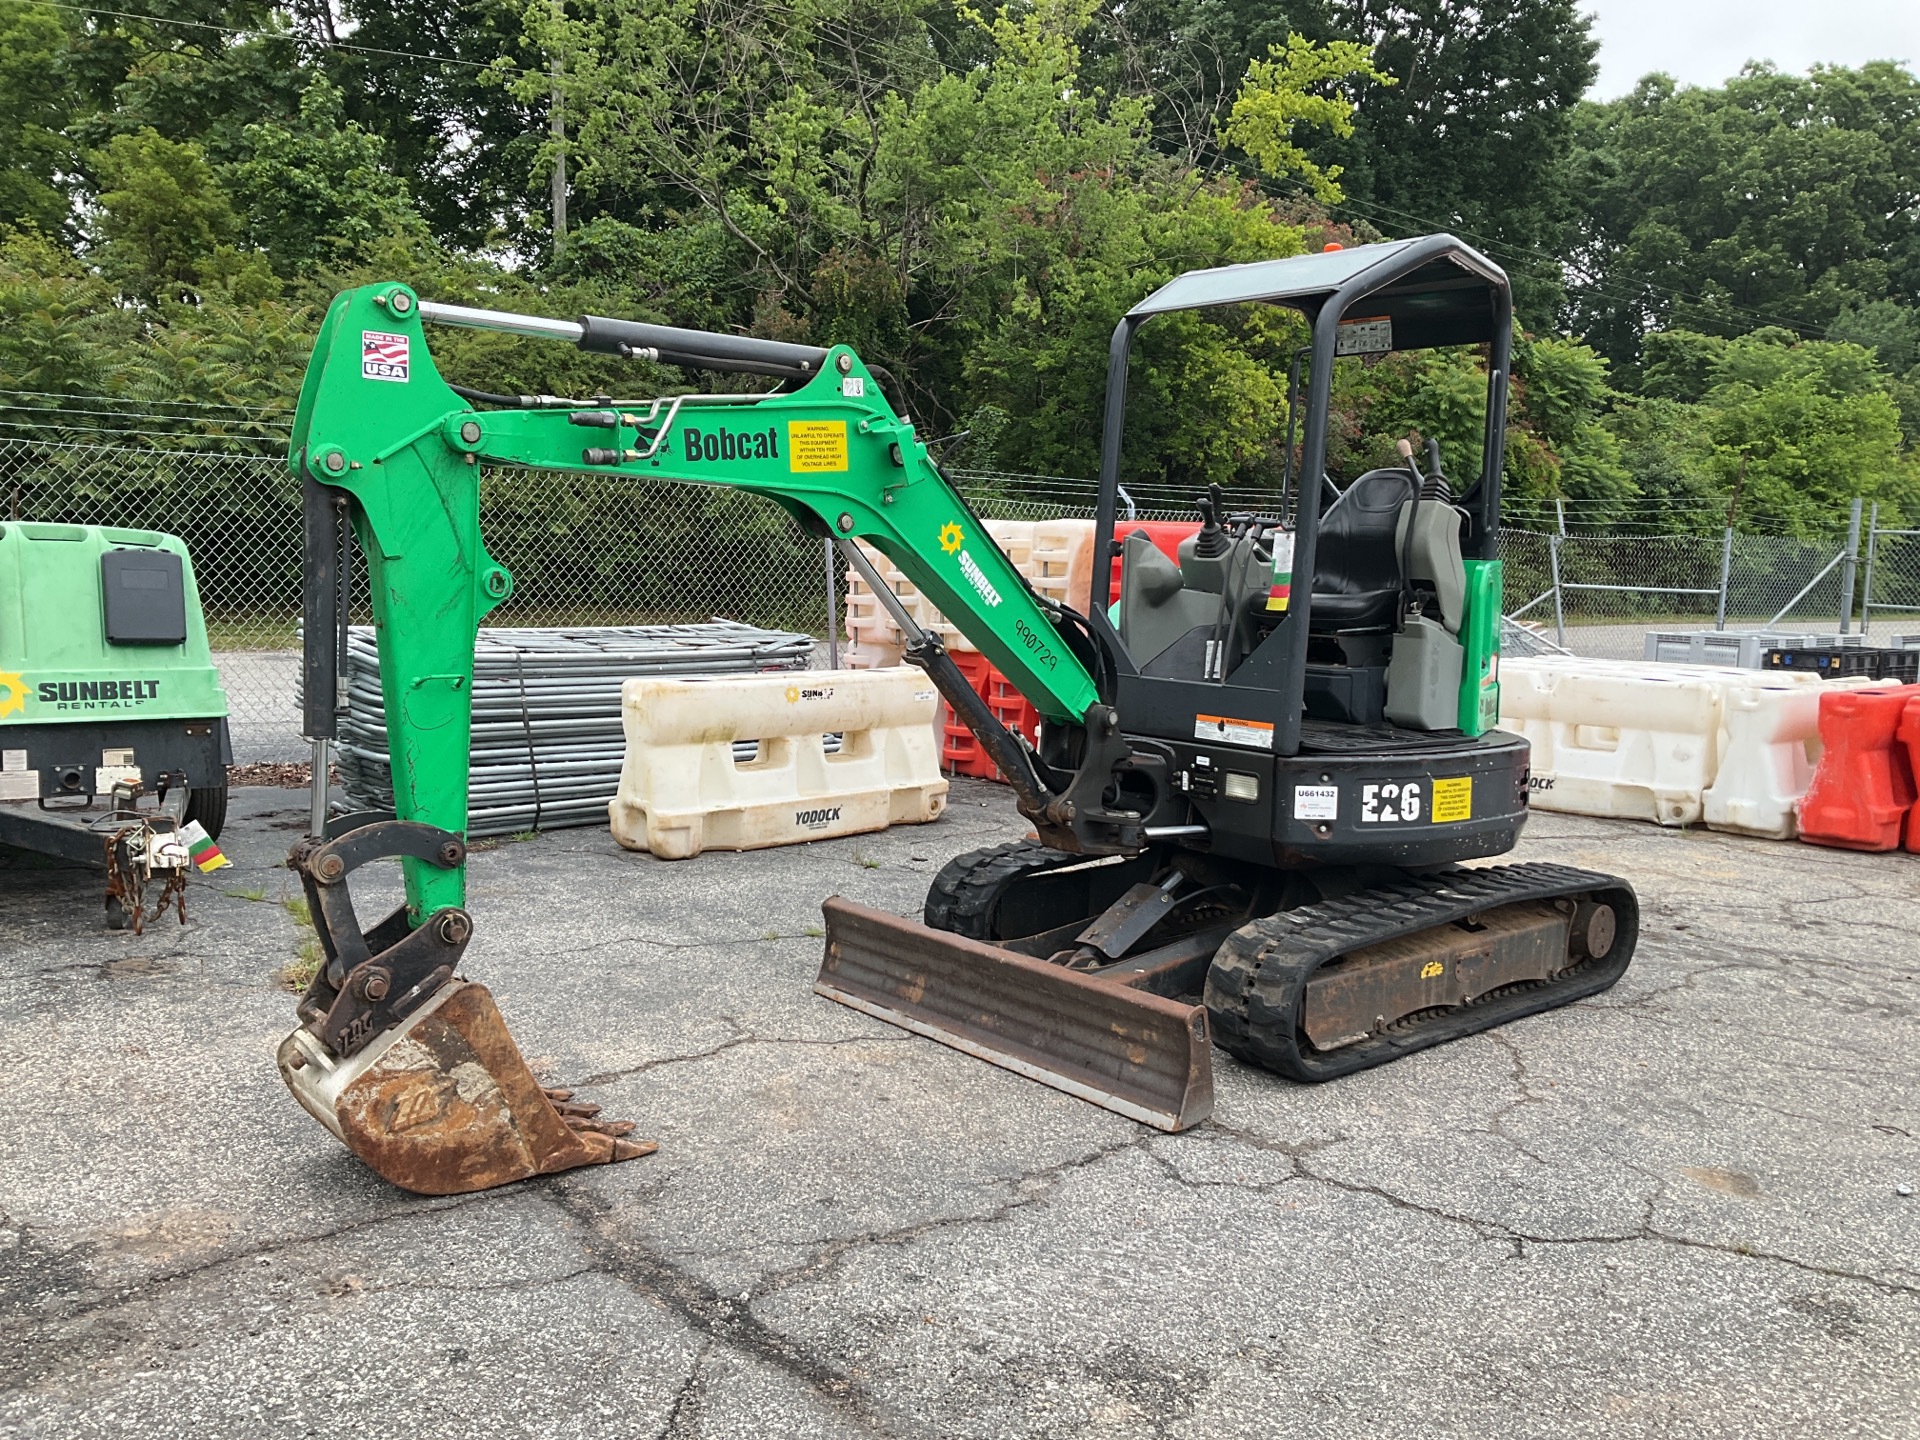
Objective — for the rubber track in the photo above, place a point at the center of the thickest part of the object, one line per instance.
(962, 897)
(1257, 986)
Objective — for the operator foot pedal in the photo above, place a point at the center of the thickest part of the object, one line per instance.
(444, 1104)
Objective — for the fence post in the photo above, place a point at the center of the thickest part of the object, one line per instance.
(1848, 566)
(1726, 574)
(833, 610)
(1866, 582)
(1553, 562)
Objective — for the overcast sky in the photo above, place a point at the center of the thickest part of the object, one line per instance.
(1702, 42)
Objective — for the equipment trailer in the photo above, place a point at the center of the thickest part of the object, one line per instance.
(1246, 793)
(113, 723)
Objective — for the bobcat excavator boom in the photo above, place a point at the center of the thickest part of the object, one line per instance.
(1245, 793)
(409, 1065)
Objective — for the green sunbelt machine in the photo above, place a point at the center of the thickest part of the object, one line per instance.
(110, 706)
(1254, 780)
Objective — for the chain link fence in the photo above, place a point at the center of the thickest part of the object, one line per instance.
(1599, 595)
(1890, 587)
(587, 549)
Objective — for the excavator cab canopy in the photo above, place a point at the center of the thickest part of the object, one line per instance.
(1452, 297)
(1426, 293)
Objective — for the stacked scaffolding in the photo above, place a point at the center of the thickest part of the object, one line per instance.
(547, 737)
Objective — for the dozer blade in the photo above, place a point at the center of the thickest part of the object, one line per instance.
(443, 1103)
(1138, 1054)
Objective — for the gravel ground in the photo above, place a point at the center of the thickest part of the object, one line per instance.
(1674, 1209)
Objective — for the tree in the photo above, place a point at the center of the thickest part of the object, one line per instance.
(162, 213)
(454, 123)
(1559, 444)
(1810, 424)
(1775, 200)
(60, 330)
(980, 230)
(1288, 90)
(33, 113)
(1475, 135)
(317, 193)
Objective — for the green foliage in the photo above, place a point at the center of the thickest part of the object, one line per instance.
(162, 214)
(1284, 91)
(316, 193)
(467, 143)
(1776, 199)
(1559, 441)
(1477, 135)
(60, 331)
(972, 199)
(33, 112)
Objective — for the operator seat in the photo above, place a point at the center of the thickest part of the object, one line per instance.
(1356, 570)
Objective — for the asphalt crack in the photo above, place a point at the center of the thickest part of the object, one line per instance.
(723, 1319)
(153, 1286)
(732, 1042)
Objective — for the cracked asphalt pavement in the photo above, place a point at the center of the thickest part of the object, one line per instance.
(1674, 1209)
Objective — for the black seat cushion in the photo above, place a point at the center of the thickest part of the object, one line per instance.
(1356, 570)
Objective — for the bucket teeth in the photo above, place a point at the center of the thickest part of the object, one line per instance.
(600, 1127)
(444, 1104)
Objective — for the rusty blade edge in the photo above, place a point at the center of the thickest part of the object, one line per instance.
(1105, 1099)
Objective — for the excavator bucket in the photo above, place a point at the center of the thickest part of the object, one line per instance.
(1141, 1055)
(443, 1103)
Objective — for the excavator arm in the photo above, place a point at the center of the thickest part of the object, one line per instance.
(383, 444)
(377, 424)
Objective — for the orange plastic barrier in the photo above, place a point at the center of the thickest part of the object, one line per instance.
(960, 750)
(1909, 736)
(1863, 791)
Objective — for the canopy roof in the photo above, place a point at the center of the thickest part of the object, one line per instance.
(1436, 290)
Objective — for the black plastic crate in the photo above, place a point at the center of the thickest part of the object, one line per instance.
(1878, 663)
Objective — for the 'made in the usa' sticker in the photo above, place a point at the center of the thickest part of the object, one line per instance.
(383, 356)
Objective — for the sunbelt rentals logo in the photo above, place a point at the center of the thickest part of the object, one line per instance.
(952, 539)
(13, 693)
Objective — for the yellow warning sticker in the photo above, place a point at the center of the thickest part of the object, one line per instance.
(1453, 799)
(816, 445)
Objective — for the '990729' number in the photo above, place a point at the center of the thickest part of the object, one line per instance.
(1041, 654)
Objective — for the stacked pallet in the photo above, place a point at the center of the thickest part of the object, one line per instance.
(547, 737)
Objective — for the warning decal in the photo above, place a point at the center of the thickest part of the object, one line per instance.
(1257, 733)
(383, 356)
(816, 445)
(1453, 799)
(1372, 335)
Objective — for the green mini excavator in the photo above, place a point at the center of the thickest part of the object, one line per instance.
(1256, 777)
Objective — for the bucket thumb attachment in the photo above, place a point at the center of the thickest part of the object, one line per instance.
(1130, 1051)
(411, 1068)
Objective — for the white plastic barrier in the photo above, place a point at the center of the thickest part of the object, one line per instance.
(1672, 743)
(682, 791)
(1055, 556)
(1605, 743)
(1769, 748)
